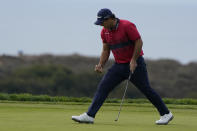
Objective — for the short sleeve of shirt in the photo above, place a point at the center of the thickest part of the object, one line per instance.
(103, 36)
(132, 32)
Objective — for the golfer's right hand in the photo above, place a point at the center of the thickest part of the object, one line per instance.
(98, 68)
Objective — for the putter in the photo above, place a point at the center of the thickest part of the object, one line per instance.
(123, 96)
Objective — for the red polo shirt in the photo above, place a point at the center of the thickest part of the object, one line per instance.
(121, 40)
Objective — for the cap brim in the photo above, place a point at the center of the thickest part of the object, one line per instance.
(98, 22)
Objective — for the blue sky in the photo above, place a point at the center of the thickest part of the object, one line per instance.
(168, 27)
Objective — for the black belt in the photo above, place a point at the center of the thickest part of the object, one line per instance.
(121, 45)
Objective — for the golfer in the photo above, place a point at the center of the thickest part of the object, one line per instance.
(122, 38)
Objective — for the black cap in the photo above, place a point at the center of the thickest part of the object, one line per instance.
(102, 15)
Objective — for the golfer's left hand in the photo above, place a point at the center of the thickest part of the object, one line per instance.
(133, 65)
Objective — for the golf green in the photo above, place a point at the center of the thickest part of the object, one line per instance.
(18, 116)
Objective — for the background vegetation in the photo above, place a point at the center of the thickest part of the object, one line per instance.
(74, 76)
(56, 99)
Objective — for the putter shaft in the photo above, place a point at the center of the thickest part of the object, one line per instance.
(123, 97)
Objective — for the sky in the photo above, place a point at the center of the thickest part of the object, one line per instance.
(168, 27)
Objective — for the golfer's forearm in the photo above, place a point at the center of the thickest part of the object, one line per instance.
(137, 49)
(104, 57)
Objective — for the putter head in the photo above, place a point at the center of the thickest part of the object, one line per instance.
(116, 119)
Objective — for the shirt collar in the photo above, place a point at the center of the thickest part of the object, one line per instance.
(117, 23)
(116, 26)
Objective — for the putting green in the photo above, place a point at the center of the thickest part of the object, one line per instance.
(57, 117)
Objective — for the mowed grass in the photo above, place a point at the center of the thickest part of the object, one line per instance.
(57, 117)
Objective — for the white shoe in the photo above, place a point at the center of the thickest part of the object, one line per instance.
(83, 118)
(165, 119)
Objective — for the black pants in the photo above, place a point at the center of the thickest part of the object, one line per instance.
(115, 75)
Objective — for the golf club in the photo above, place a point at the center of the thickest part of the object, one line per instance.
(123, 96)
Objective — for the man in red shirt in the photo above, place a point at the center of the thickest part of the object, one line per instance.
(124, 41)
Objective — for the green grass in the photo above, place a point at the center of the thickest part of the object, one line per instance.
(55, 99)
(26, 116)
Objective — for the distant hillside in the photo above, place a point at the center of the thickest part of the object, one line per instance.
(75, 62)
(74, 75)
